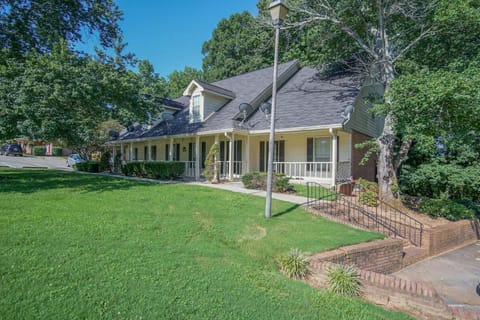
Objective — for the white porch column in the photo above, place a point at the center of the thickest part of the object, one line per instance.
(334, 156)
(215, 160)
(170, 150)
(247, 155)
(230, 157)
(149, 151)
(197, 158)
(131, 151)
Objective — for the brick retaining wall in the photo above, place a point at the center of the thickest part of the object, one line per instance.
(383, 256)
(449, 236)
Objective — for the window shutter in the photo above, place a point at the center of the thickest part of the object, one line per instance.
(309, 149)
(167, 147)
(281, 151)
(178, 152)
(262, 156)
(204, 154)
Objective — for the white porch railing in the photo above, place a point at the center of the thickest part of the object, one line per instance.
(189, 169)
(302, 170)
(238, 168)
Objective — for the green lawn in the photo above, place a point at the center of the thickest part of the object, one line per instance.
(320, 192)
(76, 246)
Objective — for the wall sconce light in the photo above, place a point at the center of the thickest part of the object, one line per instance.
(184, 149)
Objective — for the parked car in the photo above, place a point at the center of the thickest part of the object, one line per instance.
(11, 149)
(74, 158)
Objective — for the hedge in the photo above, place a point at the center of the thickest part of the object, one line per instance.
(39, 151)
(446, 181)
(89, 166)
(56, 152)
(258, 180)
(446, 208)
(154, 170)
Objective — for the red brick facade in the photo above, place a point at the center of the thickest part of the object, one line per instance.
(367, 171)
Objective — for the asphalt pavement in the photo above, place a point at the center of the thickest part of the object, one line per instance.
(34, 162)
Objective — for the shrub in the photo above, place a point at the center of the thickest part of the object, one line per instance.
(56, 152)
(443, 181)
(211, 168)
(258, 180)
(89, 166)
(294, 264)
(39, 151)
(446, 208)
(105, 162)
(343, 280)
(369, 193)
(154, 170)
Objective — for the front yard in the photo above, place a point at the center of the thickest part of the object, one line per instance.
(75, 246)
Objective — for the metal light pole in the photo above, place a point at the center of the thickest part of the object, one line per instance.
(278, 11)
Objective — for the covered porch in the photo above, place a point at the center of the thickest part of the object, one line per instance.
(311, 156)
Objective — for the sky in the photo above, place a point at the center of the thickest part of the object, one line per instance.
(170, 33)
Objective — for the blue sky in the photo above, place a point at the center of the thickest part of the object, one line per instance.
(170, 33)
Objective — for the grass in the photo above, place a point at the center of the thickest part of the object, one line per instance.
(320, 192)
(77, 246)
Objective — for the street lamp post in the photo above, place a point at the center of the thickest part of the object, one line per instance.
(278, 11)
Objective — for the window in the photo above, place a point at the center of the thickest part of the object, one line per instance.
(318, 149)
(195, 115)
(153, 153)
(135, 154)
(175, 153)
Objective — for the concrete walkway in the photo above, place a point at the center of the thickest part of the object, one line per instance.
(455, 275)
(238, 187)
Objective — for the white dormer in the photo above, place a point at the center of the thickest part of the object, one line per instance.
(205, 99)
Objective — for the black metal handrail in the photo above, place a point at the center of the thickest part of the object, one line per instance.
(370, 213)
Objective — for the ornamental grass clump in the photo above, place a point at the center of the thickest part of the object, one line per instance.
(343, 280)
(294, 264)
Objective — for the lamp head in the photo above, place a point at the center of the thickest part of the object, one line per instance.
(278, 11)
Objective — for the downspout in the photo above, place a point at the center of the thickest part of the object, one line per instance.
(334, 155)
(230, 157)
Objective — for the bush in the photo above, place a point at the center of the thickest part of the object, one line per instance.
(105, 162)
(39, 151)
(446, 208)
(343, 280)
(154, 170)
(443, 181)
(89, 166)
(56, 152)
(211, 168)
(369, 193)
(258, 180)
(294, 264)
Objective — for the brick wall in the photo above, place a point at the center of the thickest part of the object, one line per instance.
(450, 236)
(367, 171)
(383, 256)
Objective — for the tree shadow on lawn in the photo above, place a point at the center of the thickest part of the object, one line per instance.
(288, 210)
(30, 181)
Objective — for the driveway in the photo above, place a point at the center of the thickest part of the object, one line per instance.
(455, 275)
(34, 162)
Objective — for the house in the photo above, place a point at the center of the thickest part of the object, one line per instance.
(318, 123)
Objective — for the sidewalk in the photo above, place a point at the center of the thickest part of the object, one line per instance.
(238, 187)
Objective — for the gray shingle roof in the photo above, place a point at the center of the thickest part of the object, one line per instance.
(305, 100)
(213, 88)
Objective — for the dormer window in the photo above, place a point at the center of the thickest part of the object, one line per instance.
(195, 111)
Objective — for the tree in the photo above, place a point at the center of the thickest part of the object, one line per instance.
(38, 25)
(65, 96)
(179, 80)
(238, 45)
(382, 31)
